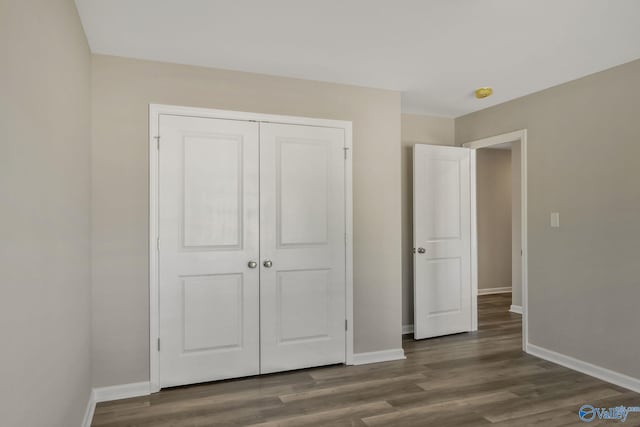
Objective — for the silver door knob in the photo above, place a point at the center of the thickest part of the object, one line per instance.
(421, 250)
(252, 264)
(267, 263)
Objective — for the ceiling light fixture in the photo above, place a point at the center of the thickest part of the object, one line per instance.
(483, 92)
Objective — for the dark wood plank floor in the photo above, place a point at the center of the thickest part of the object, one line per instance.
(470, 379)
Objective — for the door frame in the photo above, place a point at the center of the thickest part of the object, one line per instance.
(155, 111)
(516, 136)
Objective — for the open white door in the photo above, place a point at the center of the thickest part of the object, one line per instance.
(442, 240)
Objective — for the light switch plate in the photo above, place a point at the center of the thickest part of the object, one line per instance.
(555, 219)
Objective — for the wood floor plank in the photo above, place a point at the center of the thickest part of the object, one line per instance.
(475, 379)
(345, 399)
(528, 408)
(320, 392)
(557, 418)
(323, 418)
(454, 405)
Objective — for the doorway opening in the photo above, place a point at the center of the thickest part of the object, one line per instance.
(499, 224)
(445, 235)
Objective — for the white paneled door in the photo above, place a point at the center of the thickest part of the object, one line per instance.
(442, 240)
(302, 246)
(208, 229)
(251, 248)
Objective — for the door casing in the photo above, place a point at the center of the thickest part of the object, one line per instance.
(155, 111)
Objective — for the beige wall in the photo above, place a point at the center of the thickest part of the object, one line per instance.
(416, 129)
(584, 162)
(44, 218)
(122, 90)
(493, 186)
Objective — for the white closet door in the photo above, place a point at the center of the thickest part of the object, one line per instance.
(209, 231)
(302, 246)
(442, 238)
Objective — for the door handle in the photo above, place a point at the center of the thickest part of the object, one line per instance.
(267, 263)
(421, 250)
(252, 264)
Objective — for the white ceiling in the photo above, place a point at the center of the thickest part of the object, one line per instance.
(435, 51)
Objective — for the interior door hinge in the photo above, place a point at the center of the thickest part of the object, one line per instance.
(158, 344)
(346, 150)
(158, 244)
(157, 141)
(346, 324)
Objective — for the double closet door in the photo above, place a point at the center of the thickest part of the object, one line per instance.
(251, 248)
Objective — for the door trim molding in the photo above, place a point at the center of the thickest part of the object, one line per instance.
(155, 111)
(474, 241)
(521, 136)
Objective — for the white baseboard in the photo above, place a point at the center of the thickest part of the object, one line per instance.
(114, 392)
(378, 356)
(517, 309)
(604, 374)
(500, 290)
(91, 407)
(407, 329)
(123, 391)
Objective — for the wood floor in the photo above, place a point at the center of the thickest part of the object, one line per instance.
(470, 379)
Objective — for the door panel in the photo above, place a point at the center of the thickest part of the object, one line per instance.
(302, 224)
(212, 193)
(303, 305)
(442, 235)
(209, 303)
(209, 230)
(301, 187)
